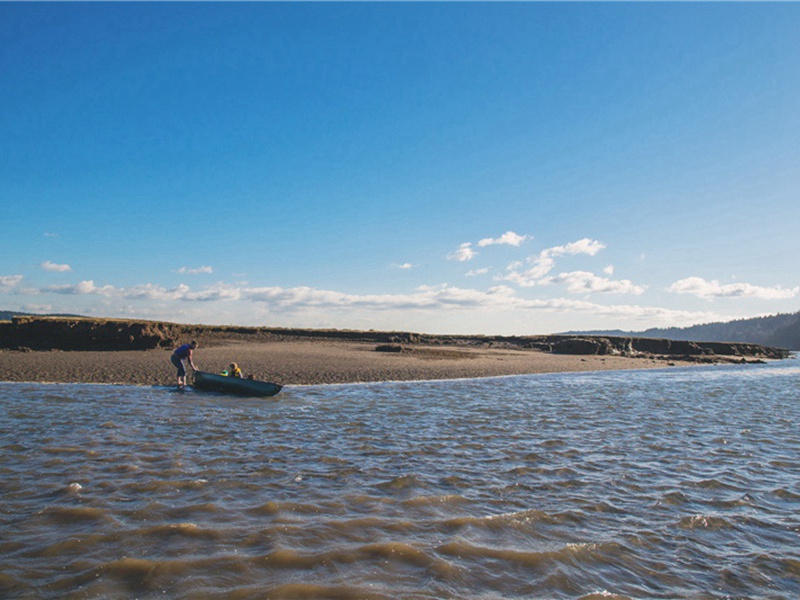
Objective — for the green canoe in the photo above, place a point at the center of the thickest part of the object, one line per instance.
(234, 385)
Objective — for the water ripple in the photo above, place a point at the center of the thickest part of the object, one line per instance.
(680, 483)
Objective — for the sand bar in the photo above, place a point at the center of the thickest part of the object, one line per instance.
(304, 362)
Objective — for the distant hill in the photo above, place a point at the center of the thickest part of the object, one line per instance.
(7, 315)
(781, 331)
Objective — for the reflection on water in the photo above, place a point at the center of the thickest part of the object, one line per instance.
(680, 483)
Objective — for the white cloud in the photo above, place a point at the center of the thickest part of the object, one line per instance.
(540, 266)
(477, 272)
(9, 282)
(37, 308)
(582, 246)
(425, 297)
(302, 302)
(702, 288)
(51, 266)
(508, 238)
(84, 288)
(582, 282)
(149, 291)
(404, 266)
(544, 262)
(464, 253)
(609, 270)
(213, 293)
(197, 271)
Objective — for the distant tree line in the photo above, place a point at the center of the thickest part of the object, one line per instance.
(7, 315)
(780, 331)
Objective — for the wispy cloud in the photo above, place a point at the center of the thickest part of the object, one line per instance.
(476, 272)
(508, 238)
(54, 267)
(404, 266)
(427, 298)
(544, 262)
(83, 288)
(9, 282)
(582, 246)
(540, 266)
(464, 253)
(702, 288)
(581, 282)
(197, 271)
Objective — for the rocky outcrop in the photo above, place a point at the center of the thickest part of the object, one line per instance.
(394, 348)
(651, 347)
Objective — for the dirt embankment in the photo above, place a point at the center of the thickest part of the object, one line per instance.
(47, 333)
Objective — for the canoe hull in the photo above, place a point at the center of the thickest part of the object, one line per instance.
(234, 385)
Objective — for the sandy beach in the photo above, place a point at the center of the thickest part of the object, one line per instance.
(303, 363)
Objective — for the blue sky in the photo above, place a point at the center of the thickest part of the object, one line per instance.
(514, 168)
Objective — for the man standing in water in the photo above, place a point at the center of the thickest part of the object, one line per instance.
(184, 353)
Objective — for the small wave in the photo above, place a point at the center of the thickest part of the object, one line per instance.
(705, 522)
(15, 448)
(76, 514)
(778, 566)
(397, 552)
(446, 500)
(75, 546)
(602, 507)
(745, 500)
(157, 486)
(502, 521)
(552, 443)
(10, 585)
(276, 508)
(185, 513)
(569, 553)
(403, 482)
(394, 552)
(179, 529)
(675, 498)
(520, 471)
(785, 494)
(307, 591)
(141, 572)
(63, 450)
(366, 526)
(711, 484)
(454, 481)
(125, 468)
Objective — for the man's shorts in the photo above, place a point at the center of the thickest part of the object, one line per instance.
(179, 364)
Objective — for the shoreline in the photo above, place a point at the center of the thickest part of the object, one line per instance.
(311, 362)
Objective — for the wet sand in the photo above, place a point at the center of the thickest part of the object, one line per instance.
(304, 363)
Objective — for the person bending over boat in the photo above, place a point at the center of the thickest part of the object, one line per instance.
(182, 355)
